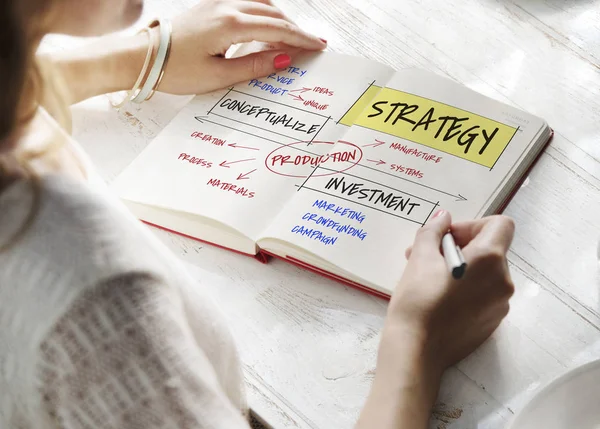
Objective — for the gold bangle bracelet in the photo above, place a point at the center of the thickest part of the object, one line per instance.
(142, 76)
(162, 70)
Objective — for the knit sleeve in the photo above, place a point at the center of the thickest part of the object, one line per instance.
(124, 357)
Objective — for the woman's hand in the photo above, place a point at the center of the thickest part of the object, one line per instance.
(196, 64)
(202, 35)
(434, 321)
(453, 317)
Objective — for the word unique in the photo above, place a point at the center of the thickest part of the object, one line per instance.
(336, 226)
(412, 172)
(208, 138)
(269, 116)
(415, 152)
(315, 160)
(238, 190)
(314, 234)
(376, 197)
(194, 160)
(315, 105)
(340, 211)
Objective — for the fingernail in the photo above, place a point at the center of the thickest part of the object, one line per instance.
(438, 213)
(323, 40)
(282, 61)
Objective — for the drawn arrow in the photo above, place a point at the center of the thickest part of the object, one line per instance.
(377, 143)
(242, 147)
(458, 197)
(244, 176)
(378, 162)
(226, 164)
(296, 97)
(200, 118)
(301, 89)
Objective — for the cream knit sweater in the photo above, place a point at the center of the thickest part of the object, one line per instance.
(100, 326)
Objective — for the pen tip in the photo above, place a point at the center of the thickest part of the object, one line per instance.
(458, 272)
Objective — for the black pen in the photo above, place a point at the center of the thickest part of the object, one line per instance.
(453, 255)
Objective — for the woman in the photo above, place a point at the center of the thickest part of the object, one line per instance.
(99, 327)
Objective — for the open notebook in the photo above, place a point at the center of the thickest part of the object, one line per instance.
(332, 164)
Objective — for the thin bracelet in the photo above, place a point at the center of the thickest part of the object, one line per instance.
(159, 61)
(140, 79)
(162, 70)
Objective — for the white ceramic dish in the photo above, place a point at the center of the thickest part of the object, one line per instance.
(572, 401)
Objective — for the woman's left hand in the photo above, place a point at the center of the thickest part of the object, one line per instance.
(202, 35)
(196, 65)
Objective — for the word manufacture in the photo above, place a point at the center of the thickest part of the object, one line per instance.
(415, 152)
(407, 113)
(269, 116)
(375, 196)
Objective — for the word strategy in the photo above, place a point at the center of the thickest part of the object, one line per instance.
(436, 125)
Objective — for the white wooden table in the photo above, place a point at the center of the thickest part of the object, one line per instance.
(308, 344)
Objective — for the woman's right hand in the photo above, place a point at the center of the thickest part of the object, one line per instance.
(453, 317)
(434, 321)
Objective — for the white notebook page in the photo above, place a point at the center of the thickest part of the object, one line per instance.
(454, 153)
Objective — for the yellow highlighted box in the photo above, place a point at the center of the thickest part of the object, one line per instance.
(433, 124)
(358, 107)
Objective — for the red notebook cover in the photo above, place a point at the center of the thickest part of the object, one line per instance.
(263, 256)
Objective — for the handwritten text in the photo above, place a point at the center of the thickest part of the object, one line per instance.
(194, 160)
(340, 211)
(431, 123)
(314, 234)
(412, 172)
(270, 116)
(208, 138)
(334, 225)
(238, 190)
(415, 152)
(376, 197)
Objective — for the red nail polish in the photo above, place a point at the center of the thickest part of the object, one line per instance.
(323, 40)
(438, 213)
(282, 61)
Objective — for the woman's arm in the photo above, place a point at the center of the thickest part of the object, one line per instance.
(405, 386)
(110, 64)
(434, 321)
(200, 38)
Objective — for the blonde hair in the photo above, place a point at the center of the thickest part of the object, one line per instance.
(26, 83)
